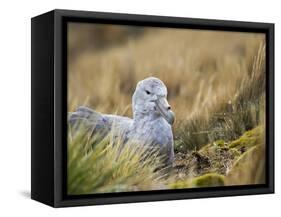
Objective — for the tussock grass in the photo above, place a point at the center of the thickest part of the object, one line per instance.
(201, 69)
(216, 85)
(229, 119)
(100, 166)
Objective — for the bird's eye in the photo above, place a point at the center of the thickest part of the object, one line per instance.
(147, 92)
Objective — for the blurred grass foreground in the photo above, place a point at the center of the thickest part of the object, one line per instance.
(216, 86)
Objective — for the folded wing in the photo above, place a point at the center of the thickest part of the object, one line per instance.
(98, 124)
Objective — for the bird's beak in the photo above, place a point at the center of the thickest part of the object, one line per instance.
(165, 110)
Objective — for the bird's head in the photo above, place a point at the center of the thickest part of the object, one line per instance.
(150, 98)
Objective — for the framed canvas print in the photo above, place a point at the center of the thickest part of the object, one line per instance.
(131, 108)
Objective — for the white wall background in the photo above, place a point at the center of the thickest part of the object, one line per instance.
(15, 106)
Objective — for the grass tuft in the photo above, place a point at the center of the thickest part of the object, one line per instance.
(229, 119)
(100, 166)
(216, 85)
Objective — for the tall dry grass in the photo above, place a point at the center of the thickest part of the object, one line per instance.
(229, 118)
(216, 87)
(200, 69)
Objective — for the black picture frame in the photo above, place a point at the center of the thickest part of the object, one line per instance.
(49, 107)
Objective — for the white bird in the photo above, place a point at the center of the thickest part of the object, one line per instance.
(152, 118)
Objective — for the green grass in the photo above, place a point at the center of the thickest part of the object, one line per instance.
(225, 146)
(101, 166)
(239, 162)
(98, 166)
(206, 180)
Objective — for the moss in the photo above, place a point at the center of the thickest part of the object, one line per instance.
(215, 147)
(248, 139)
(179, 185)
(220, 143)
(221, 157)
(249, 168)
(207, 180)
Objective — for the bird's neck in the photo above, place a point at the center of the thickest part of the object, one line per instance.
(145, 117)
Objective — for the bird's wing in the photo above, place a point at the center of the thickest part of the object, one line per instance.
(89, 120)
(98, 123)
